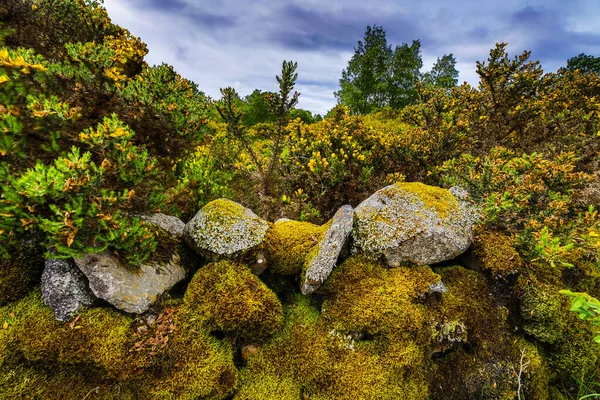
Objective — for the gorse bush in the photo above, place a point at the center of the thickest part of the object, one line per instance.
(92, 137)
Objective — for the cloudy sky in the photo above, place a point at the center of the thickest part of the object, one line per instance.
(241, 43)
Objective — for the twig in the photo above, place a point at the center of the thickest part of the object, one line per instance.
(96, 389)
(522, 368)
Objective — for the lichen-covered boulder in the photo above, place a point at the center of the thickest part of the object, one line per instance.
(415, 223)
(131, 291)
(322, 260)
(65, 289)
(224, 229)
(173, 225)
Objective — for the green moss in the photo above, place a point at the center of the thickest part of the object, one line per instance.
(32, 381)
(543, 309)
(309, 356)
(22, 272)
(367, 297)
(288, 244)
(471, 374)
(575, 355)
(194, 365)
(497, 254)
(99, 337)
(436, 198)
(469, 300)
(267, 387)
(99, 346)
(227, 297)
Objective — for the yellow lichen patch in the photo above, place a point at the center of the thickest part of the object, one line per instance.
(435, 198)
(224, 208)
(227, 297)
(367, 297)
(288, 243)
(497, 254)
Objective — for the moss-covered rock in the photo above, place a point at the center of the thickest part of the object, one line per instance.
(288, 243)
(176, 359)
(486, 362)
(21, 272)
(224, 229)
(308, 357)
(100, 337)
(413, 222)
(229, 298)
(195, 365)
(367, 297)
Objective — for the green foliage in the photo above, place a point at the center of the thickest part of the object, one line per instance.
(72, 201)
(91, 134)
(586, 307)
(443, 74)
(585, 63)
(378, 77)
(280, 105)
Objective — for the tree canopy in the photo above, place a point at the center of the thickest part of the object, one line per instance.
(377, 76)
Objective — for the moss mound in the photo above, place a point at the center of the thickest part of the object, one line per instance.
(227, 297)
(22, 272)
(367, 297)
(288, 243)
(486, 361)
(308, 357)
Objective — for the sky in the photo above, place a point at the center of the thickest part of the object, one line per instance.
(242, 43)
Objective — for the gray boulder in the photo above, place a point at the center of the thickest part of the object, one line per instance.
(130, 291)
(65, 289)
(224, 229)
(323, 258)
(414, 223)
(169, 223)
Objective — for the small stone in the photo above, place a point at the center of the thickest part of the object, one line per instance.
(224, 229)
(169, 223)
(133, 292)
(65, 289)
(322, 261)
(438, 287)
(248, 351)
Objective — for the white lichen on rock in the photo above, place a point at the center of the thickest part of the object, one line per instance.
(414, 223)
(224, 228)
(322, 260)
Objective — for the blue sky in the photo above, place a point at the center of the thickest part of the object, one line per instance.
(241, 43)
